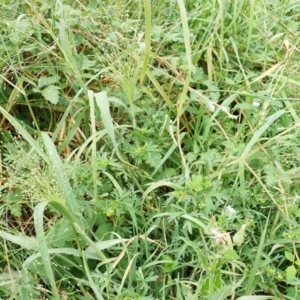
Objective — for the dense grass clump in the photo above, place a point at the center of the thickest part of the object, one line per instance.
(149, 149)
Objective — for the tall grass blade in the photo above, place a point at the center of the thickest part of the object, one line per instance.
(77, 226)
(91, 281)
(62, 179)
(251, 7)
(43, 248)
(94, 143)
(250, 286)
(103, 104)
(188, 51)
(147, 10)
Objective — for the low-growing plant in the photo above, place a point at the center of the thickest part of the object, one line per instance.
(149, 150)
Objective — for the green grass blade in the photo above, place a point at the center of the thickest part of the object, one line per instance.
(77, 226)
(250, 285)
(91, 281)
(166, 156)
(25, 242)
(159, 88)
(25, 134)
(68, 110)
(253, 140)
(43, 248)
(94, 142)
(250, 23)
(188, 51)
(103, 104)
(71, 132)
(147, 10)
(62, 179)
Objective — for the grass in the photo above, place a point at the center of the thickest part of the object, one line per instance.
(149, 150)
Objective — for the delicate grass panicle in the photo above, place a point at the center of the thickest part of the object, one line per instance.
(149, 149)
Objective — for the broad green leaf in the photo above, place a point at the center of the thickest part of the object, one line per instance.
(82, 62)
(51, 94)
(194, 220)
(297, 262)
(290, 272)
(158, 184)
(250, 285)
(289, 256)
(169, 265)
(68, 251)
(47, 80)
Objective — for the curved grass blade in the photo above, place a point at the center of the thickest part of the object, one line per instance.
(25, 134)
(253, 140)
(91, 281)
(158, 184)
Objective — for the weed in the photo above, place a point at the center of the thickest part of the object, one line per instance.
(149, 150)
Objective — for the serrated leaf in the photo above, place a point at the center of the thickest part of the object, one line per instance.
(297, 262)
(47, 81)
(230, 255)
(169, 264)
(289, 256)
(51, 94)
(290, 272)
